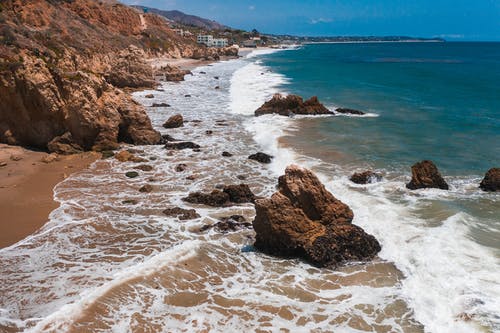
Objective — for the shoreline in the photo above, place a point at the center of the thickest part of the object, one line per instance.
(27, 188)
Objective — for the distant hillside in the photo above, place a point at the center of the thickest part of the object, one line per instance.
(185, 19)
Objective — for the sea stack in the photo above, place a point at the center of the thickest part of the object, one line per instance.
(491, 180)
(425, 174)
(292, 104)
(302, 219)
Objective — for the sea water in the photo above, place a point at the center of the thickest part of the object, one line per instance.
(108, 260)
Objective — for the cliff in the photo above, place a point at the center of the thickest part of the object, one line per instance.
(62, 64)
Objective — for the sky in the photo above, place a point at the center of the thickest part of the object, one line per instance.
(449, 19)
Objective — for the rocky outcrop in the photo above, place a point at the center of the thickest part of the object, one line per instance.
(291, 105)
(304, 220)
(239, 193)
(491, 180)
(349, 111)
(425, 174)
(261, 157)
(228, 224)
(172, 73)
(365, 177)
(174, 121)
(129, 69)
(181, 213)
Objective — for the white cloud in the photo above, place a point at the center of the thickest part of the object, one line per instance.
(321, 20)
(252, 7)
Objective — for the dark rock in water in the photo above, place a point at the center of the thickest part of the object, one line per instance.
(132, 174)
(195, 121)
(191, 177)
(491, 180)
(209, 132)
(292, 105)
(241, 177)
(180, 167)
(181, 145)
(197, 150)
(160, 105)
(229, 223)
(146, 188)
(181, 213)
(304, 220)
(239, 193)
(144, 167)
(167, 138)
(153, 158)
(174, 121)
(426, 175)
(216, 77)
(349, 111)
(160, 89)
(203, 72)
(130, 202)
(217, 88)
(365, 177)
(226, 154)
(215, 198)
(187, 95)
(107, 154)
(149, 96)
(261, 157)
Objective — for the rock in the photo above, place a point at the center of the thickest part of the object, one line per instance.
(149, 96)
(107, 154)
(64, 145)
(180, 167)
(125, 156)
(181, 145)
(241, 177)
(181, 213)
(146, 188)
(3, 164)
(215, 198)
(187, 95)
(228, 223)
(144, 167)
(239, 193)
(191, 177)
(216, 77)
(261, 157)
(365, 177)
(129, 69)
(174, 121)
(217, 88)
(130, 202)
(49, 158)
(160, 105)
(426, 175)
(167, 138)
(132, 174)
(16, 158)
(349, 111)
(291, 105)
(203, 72)
(209, 132)
(304, 220)
(226, 154)
(491, 180)
(173, 73)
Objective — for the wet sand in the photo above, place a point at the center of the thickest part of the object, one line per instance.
(26, 188)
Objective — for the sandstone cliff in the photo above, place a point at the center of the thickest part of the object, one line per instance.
(62, 63)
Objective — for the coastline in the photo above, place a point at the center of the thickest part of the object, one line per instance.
(26, 188)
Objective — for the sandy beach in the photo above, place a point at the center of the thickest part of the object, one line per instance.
(27, 179)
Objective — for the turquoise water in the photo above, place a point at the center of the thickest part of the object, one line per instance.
(438, 101)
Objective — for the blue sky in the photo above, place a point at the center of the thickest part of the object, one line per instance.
(450, 19)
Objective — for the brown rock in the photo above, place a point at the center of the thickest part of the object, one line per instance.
(491, 180)
(160, 105)
(227, 224)
(181, 145)
(130, 69)
(215, 199)
(304, 220)
(209, 132)
(49, 158)
(144, 167)
(174, 121)
(64, 145)
(239, 193)
(261, 157)
(180, 167)
(146, 188)
(149, 96)
(349, 111)
(125, 156)
(181, 213)
(365, 177)
(292, 104)
(226, 154)
(426, 175)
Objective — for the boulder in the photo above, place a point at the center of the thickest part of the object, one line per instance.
(228, 223)
(64, 145)
(239, 193)
(304, 220)
(144, 167)
(215, 198)
(349, 111)
(180, 167)
(261, 157)
(226, 154)
(132, 174)
(130, 69)
(181, 145)
(126, 156)
(174, 121)
(173, 73)
(491, 180)
(291, 105)
(146, 188)
(365, 177)
(181, 213)
(425, 174)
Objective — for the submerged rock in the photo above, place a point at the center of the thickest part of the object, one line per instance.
(239, 193)
(229, 223)
(126, 156)
(181, 145)
(132, 174)
(146, 188)
(174, 121)
(144, 167)
(304, 220)
(181, 213)
(365, 177)
(180, 167)
(261, 157)
(160, 105)
(226, 154)
(149, 96)
(491, 180)
(291, 105)
(349, 111)
(425, 174)
(215, 198)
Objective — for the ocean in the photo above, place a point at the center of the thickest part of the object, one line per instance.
(109, 260)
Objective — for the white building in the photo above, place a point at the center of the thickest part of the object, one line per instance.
(210, 41)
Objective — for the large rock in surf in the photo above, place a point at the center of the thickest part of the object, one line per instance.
(491, 180)
(425, 174)
(292, 104)
(365, 177)
(349, 111)
(304, 220)
(174, 121)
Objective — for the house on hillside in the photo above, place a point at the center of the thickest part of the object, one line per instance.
(210, 41)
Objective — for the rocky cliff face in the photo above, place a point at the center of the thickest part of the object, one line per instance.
(62, 63)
